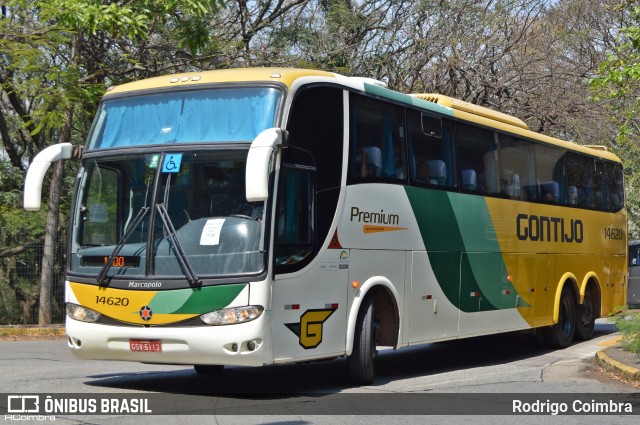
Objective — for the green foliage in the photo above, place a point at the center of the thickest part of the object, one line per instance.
(132, 20)
(618, 82)
(628, 323)
(13, 220)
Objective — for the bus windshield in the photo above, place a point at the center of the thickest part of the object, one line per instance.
(171, 214)
(235, 114)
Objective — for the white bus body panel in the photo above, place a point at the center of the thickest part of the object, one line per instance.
(310, 309)
(180, 345)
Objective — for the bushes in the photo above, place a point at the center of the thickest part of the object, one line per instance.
(628, 323)
(20, 265)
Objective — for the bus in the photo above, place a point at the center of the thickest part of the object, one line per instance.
(633, 294)
(259, 216)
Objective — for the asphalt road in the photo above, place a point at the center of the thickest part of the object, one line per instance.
(408, 381)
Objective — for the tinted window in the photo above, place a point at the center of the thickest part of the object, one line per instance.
(579, 176)
(376, 141)
(517, 179)
(430, 153)
(550, 174)
(478, 158)
(616, 186)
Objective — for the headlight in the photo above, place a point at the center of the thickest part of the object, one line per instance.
(230, 316)
(82, 314)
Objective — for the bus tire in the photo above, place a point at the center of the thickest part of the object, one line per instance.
(360, 363)
(561, 334)
(587, 315)
(208, 369)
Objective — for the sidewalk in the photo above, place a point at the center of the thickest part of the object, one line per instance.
(621, 362)
(35, 331)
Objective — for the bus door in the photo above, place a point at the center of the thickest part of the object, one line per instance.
(310, 284)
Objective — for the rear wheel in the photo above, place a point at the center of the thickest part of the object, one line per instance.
(361, 361)
(587, 314)
(560, 335)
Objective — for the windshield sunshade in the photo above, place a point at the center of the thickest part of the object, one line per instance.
(204, 116)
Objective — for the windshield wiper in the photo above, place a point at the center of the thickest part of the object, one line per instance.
(181, 256)
(102, 276)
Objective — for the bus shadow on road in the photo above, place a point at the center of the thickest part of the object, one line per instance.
(331, 376)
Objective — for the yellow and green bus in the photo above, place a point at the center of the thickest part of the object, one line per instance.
(264, 216)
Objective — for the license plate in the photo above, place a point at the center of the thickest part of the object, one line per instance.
(153, 345)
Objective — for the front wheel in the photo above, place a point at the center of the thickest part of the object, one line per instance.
(560, 335)
(361, 361)
(587, 314)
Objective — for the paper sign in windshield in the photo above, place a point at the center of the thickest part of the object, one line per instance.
(211, 231)
(98, 213)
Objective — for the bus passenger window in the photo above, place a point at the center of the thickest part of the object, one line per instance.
(549, 170)
(430, 153)
(478, 159)
(601, 188)
(579, 179)
(376, 141)
(517, 179)
(616, 186)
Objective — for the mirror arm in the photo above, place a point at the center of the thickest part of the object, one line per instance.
(37, 170)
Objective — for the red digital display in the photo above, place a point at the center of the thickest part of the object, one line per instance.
(118, 261)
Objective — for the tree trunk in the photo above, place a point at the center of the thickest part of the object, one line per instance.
(50, 242)
(53, 213)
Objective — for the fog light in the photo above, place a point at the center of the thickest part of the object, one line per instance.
(230, 316)
(251, 345)
(83, 314)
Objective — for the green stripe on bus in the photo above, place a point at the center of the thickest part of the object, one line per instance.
(484, 255)
(405, 98)
(463, 250)
(195, 301)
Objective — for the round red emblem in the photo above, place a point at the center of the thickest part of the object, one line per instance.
(145, 313)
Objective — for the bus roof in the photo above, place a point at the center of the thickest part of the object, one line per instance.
(434, 102)
(283, 75)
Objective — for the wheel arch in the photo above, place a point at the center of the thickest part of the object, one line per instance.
(591, 280)
(386, 311)
(570, 280)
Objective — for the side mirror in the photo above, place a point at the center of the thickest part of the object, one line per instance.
(37, 170)
(259, 162)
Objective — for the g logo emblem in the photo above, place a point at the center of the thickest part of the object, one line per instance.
(309, 329)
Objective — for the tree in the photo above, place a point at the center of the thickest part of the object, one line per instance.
(56, 59)
(618, 82)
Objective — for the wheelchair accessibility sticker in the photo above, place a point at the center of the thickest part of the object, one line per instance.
(172, 163)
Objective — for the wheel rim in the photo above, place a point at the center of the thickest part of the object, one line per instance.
(588, 311)
(565, 321)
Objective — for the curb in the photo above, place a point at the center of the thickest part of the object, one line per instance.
(616, 367)
(51, 330)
